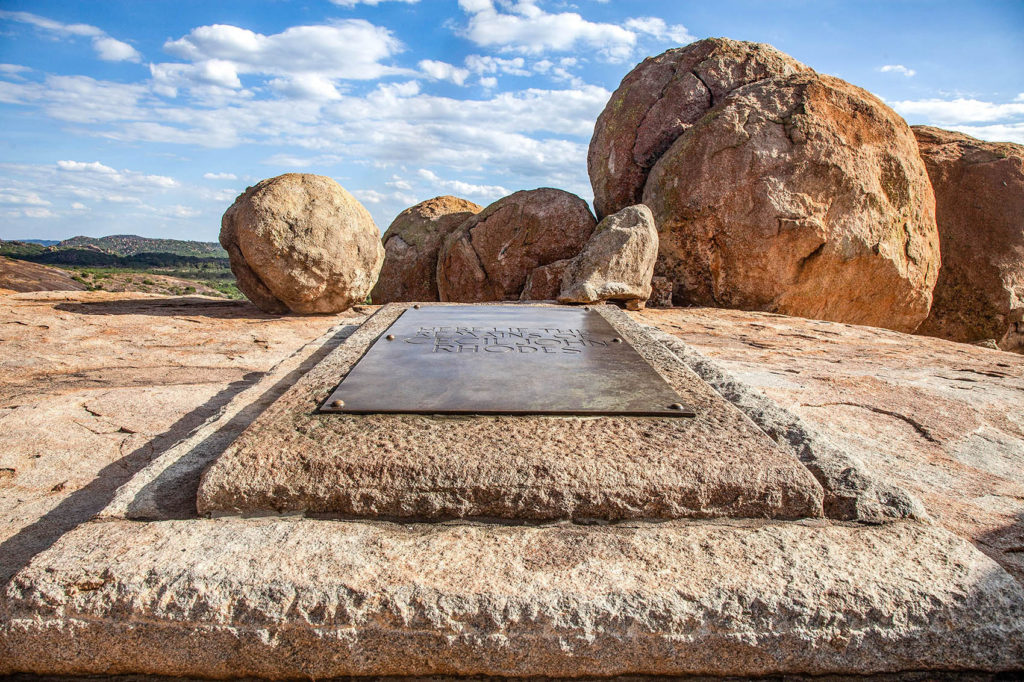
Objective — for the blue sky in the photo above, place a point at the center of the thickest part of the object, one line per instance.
(150, 116)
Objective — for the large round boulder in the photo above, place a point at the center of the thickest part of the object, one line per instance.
(301, 243)
(802, 195)
(660, 99)
(492, 253)
(979, 207)
(411, 244)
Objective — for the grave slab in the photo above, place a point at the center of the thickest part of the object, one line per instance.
(520, 467)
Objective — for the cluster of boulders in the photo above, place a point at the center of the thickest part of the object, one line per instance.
(725, 173)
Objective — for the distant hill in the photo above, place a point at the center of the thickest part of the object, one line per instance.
(119, 251)
(132, 245)
(42, 242)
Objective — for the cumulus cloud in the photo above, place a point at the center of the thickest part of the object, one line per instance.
(993, 121)
(220, 176)
(897, 68)
(107, 48)
(443, 71)
(305, 60)
(527, 28)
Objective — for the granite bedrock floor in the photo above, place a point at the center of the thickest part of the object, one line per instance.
(870, 586)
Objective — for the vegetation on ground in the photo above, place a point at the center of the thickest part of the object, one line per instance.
(111, 262)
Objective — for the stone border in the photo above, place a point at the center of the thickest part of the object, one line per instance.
(304, 598)
(851, 492)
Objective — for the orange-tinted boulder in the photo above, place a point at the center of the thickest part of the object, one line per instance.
(411, 244)
(490, 255)
(979, 207)
(802, 195)
(660, 99)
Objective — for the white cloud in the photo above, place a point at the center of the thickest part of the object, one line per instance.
(90, 197)
(179, 211)
(108, 176)
(293, 161)
(306, 86)
(525, 27)
(305, 60)
(463, 189)
(487, 64)
(113, 50)
(897, 68)
(1000, 132)
(443, 71)
(38, 213)
(368, 196)
(51, 25)
(529, 29)
(107, 48)
(955, 111)
(488, 82)
(86, 166)
(220, 176)
(399, 183)
(11, 196)
(373, 3)
(657, 27)
(14, 70)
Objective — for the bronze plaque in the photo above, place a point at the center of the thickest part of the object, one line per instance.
(504, 359)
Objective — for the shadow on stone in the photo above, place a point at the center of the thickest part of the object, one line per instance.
(84, 503)
(171, 494)
(179, 306)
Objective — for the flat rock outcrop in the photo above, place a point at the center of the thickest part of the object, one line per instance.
(492, 253)
(94, 385)
(979, 208)
(21, 276)
(411, 244)
(133, 581)
(802, 195)
(617, 263)
(660, 99)
(940, 419)
(301, 243)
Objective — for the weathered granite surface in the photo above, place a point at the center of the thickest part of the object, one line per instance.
(94, 386)
(941, 420)
(277, 598)
(513, 467)
(299, 597)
